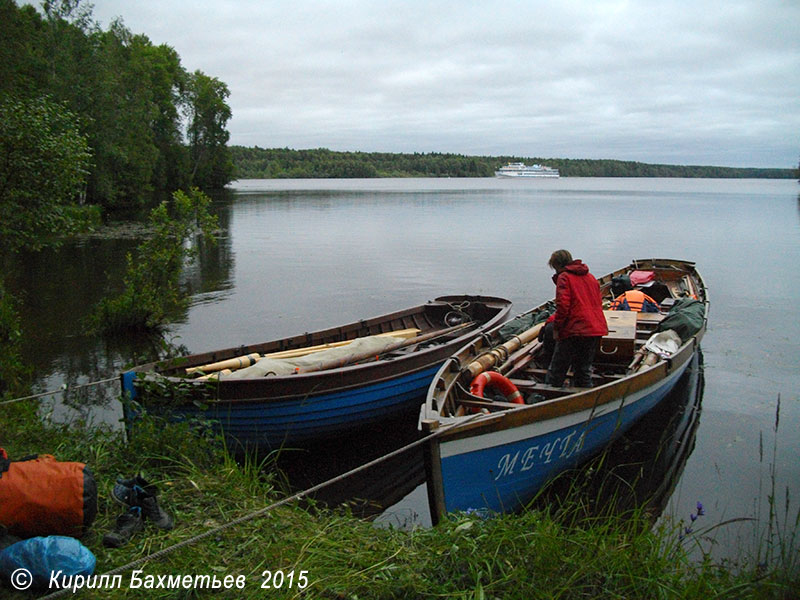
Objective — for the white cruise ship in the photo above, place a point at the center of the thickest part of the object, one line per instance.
(519, 169)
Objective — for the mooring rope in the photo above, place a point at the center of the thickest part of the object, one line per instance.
(63, 389)
(263, 511)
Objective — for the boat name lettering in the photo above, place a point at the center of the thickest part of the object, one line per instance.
(540, 454)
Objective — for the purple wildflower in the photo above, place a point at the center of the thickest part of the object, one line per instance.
(700, 510)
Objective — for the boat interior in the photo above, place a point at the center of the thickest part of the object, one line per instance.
(433, 323)
(620, 352)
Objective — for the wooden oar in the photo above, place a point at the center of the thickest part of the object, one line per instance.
(214, 376)
(401, 333)
(637, 358)
(502, 352)
(342, 361)
(649, 360)
(231, 363)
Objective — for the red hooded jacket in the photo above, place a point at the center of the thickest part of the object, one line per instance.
(579, 308)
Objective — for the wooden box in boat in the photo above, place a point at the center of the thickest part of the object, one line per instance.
(620, 343)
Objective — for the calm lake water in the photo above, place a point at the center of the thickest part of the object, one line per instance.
(298, 255)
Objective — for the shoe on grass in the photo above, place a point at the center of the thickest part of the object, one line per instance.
(151, 510)
(128, 523)
(123, 489)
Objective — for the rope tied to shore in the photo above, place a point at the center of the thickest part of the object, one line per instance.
(62, 390)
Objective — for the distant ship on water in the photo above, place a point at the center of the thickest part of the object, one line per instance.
(519, 169)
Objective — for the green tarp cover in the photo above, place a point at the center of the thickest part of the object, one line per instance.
(685, 318)
(525, 321)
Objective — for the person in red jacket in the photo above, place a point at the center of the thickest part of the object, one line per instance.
(578, 323)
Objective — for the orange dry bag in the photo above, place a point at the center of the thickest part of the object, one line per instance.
(40, 496)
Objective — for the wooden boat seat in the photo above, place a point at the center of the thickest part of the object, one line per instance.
(549, 392)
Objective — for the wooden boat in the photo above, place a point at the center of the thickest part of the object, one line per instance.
(330, 381)
(495, 455)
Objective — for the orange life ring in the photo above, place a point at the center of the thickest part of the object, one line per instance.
(495, 380)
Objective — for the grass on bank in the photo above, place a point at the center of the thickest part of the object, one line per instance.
(531, 555)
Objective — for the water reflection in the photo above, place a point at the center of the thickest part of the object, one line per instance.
(88, 377)
(642, 468)
(58, 289)
(798, 205)
(370, 491)
(210, 276)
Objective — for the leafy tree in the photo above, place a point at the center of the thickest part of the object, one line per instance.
(23, 65)
(44, 161)
(122, 113)
(166, 81)
(152, 281)
(208, 113)
(131, 98)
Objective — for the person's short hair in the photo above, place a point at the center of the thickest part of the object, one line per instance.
(559, 259)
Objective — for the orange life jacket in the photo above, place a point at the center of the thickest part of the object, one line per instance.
(635, 300)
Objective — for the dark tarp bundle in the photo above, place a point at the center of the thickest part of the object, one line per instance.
(526, 321)
(620, 284)
(685, 317)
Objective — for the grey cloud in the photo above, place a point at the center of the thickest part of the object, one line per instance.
(706, 83)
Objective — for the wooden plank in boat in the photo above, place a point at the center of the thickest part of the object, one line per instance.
(400, 333)
(649, 318)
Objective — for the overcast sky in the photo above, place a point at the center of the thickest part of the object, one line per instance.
(678, 82)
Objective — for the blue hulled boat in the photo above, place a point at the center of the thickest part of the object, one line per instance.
(497, 452)
(314, 386)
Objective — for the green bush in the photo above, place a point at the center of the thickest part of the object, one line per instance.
(13, 373)
(152, 281)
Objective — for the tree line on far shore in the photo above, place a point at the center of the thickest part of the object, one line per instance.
(277, 163)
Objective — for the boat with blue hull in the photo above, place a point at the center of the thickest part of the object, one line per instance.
(496, 453)
(314, 386)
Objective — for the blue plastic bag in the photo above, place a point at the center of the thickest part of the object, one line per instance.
(32, 562)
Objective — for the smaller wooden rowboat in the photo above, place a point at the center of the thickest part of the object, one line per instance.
(497, 452)
(316, 385)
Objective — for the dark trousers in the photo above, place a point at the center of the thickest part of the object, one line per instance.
(576, 352)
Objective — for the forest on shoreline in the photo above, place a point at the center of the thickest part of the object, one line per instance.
(120, 114)
(286, 163)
